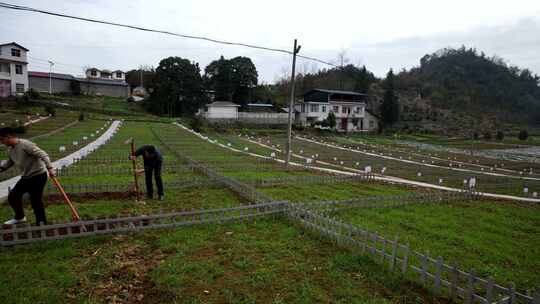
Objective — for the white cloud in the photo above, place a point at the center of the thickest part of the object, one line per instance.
(380, 34)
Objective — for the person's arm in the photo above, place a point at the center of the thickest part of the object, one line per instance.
(33, 150)
(6, 164)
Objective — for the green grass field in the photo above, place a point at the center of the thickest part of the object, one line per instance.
(269, 260)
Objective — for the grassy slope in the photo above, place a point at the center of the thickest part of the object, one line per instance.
(495, 238)
(262, 262)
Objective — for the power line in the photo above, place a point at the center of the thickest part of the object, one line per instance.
(30, 9)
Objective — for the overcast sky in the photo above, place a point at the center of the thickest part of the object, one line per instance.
(380, 34)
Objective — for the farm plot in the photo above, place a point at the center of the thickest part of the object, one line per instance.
(444, 157)
(416, 170)
(264, 259)
(496, 239)
(65, 141)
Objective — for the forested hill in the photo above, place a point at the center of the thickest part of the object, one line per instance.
(464, 80)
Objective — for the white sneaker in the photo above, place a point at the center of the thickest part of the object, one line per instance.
(15, 221)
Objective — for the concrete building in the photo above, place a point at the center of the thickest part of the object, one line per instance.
(220, 110)
(59, 83)
(13, 69)
(94, 73)
(62, 83)
(348, 107)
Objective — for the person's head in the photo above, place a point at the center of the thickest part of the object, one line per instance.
(8, 136)
(150, 152)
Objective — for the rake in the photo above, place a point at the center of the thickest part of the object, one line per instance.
(131, 141)
(74, 214)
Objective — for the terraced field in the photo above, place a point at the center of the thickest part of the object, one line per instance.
(270, 259)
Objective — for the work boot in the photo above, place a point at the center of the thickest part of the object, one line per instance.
(161, 198)
(15, 221)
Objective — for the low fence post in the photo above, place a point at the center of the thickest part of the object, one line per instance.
(405, 263)
(469, 294)
(394, 254)
(438, 274)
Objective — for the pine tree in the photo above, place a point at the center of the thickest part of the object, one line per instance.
(390, 104)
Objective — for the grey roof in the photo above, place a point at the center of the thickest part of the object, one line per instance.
(104, 81)
(372, 113)
(260, 105)
(52, 75)
(222, 104)
(15, 43)
(339, 92)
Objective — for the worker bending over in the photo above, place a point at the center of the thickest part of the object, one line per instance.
(153, 161)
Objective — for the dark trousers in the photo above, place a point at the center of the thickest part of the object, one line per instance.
(33, 186)
(149, 170)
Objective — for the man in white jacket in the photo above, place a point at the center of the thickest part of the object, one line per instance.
(34, 164)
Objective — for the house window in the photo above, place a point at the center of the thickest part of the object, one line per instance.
(93, 73)
(18, 69)
(314, 108)
(118, 74)
(324, 109)
(15, 52)
(345, 110)
(19, 87)
(4, 68)
(335, 109)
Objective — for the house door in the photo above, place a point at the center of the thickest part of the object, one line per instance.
(5, 88)
(361, 124)
(344, 124)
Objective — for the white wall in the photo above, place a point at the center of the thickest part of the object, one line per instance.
(19, 78)
(12, 61)
(5, 53)
(222, 112)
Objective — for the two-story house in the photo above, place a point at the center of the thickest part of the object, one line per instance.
(94, 73)
(348, 107)
(13, 69)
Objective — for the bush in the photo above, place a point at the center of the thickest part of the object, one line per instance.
(475, 135)
(50, 110)
(75, 87)
(487, 135)
(81, 116)
(18, 127)
(500, 135)
(33, 94)
(196, 124)
(523, 135)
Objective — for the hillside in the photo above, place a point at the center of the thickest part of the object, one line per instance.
(468, 83)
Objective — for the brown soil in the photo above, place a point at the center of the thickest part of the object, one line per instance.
(55, 199)
(128, 277)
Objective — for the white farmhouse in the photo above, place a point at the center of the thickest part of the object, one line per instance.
(13, 69)
(348, 107)
(221, 110)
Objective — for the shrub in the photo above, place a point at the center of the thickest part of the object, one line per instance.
(475, 135)
(196, 124)
(81, 116)
(33, 94)
(523, 135)
(500, 135)
(50, 110)
(18, 128)
(75, 87)
(487, 135)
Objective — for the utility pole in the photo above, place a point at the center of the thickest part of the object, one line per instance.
(288, 146)
(141, 75)
(50, 76)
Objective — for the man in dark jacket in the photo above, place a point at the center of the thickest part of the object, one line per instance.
(153, 161)
(34, 165)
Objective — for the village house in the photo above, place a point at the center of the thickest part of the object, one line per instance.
(348, 107)
(97, 82)
(13, 69)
